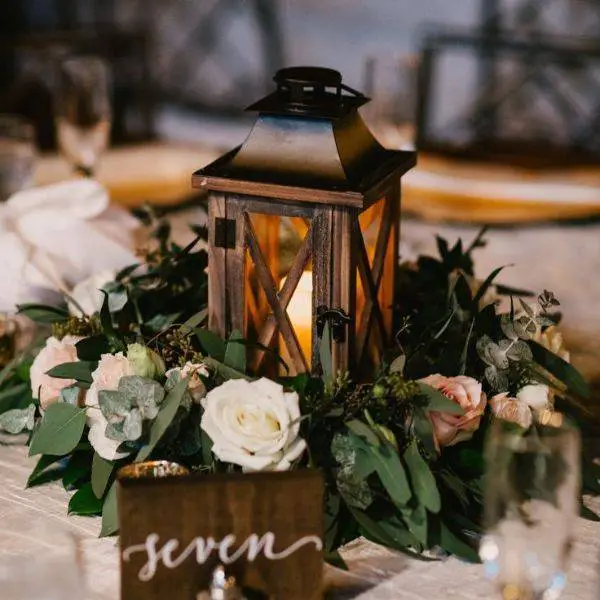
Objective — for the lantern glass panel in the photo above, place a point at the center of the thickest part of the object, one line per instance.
(280, 240)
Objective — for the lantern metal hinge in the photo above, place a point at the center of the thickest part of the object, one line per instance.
(225, 233)
(338, 321)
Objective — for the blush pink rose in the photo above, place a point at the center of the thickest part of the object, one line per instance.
(54, 353)
(511, 409)
(451, 429)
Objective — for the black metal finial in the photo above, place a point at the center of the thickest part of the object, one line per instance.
(315, 91)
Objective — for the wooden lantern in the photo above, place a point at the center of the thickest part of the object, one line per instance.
(309, 161)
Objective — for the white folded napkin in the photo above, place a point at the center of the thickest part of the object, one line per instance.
(54, 236)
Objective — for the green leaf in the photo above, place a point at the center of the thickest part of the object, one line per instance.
(325, 354)
(423, 430)
(163, 419)
(436, 401)
(77, 469)
(84, 502)
(350, 482)
(485, 286)
(371, 529)
(18, 419)
(207, 445)
(110, 515)
(364, 431)
(225, 371)
(60, 430)
(92, 348)
(43, 314)
(235, 353)
(561, 369)
(423, 481)
(101, 471)
(212, 344)
(41, 474)
(79, 371)
(453, 544)
(416, 520)
(391, 473)
(194, 321)
(335, 560)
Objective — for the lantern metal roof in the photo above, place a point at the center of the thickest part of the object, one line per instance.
(309, 144)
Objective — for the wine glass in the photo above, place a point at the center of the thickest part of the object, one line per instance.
(531, 504)
(83, 111)
(389, 80)
(17, 154)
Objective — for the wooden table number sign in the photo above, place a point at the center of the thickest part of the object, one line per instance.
(265, 530)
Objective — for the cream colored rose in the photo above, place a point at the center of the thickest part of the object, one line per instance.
(511, 409)
(110, 370)
(451, 429)
(54, 353)
(88, 295)
(535, 395)
(192, 371)
(253, 424)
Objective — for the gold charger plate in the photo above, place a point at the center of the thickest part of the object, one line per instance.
(450, 190)
(159, 173)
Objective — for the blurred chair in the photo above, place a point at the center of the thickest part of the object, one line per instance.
(536, 96)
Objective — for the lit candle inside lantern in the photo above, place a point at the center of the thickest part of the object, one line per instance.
(300, 312)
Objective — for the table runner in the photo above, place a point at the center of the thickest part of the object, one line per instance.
(375, 572)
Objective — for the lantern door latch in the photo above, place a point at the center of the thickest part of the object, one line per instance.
(337, 319)
(225, 233)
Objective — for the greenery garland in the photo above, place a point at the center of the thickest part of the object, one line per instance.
(141, 377)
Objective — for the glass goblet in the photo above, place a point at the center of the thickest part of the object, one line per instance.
(83, 111)
(531, 505)
(17, 154)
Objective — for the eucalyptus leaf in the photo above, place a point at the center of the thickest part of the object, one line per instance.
(225, 371)
(423, 482)
(18, 419)
(436, 401)
(114, 405)
(351, 484)
(506, 324)
(60, 430)
(71, 394)
(519, 351)
(101, 471)
(132, 425)
(117, 300)
(163, 419)
(144, 393)
(110, 516)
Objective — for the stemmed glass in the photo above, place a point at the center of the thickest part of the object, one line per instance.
(83, 111)
(17, 154)
(531, 504)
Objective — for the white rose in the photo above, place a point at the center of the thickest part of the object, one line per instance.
(87, 294)
(254, 424)
(192, 371)
(537, 396)
(54, 353)
(110, 370)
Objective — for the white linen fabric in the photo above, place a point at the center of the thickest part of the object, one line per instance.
(54, 236)
(375, 572)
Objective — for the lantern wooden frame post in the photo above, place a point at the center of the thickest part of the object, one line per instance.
(334, 242)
